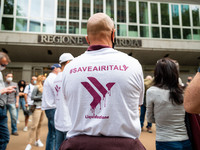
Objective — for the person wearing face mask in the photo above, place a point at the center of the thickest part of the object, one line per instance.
(28, 101)
(103, 88)
(21, 86)
(4, 134)
(38, 114)
(12, 103)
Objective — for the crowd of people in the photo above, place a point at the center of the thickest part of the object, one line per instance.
(92, 101)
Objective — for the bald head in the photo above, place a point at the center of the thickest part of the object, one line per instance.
(99, 23)
(100, 30)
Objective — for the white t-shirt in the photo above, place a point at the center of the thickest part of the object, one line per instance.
(28, 90)
(62, 119)
(48, 97)
(103, 89)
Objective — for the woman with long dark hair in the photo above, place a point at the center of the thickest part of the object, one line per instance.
(165, 107)
(22, 103)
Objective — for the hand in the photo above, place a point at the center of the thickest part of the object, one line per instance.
(26, 105)
(8, 90)
(21, 94)
(17, 105)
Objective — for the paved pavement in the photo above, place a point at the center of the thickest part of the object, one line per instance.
(20, 142)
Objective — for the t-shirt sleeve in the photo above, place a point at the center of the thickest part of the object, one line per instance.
(17, 90)
(26, 89)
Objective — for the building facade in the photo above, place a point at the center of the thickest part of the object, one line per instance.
(35, 33)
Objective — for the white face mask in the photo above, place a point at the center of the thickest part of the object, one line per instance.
(34, 82)
(2, 68)
(9, 79)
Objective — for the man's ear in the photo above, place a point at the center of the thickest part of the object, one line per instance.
(87, 39)
(113, 35)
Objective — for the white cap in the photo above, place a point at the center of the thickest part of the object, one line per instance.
(65, 57)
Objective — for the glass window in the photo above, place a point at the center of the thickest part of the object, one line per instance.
(196, 34)
(8, 7)
(175, 14)
(21, 24)
(110, 8)
(155, 32)
(185, 15)
(74, 9)
(132, 12)
(34, 26)
(84, 28)
(144, 31)
(49, 9)
(187, 34)
(74, 28)
(164, 14)
(154, 13)
(176, 33)
(143, 8)
(98, 6)
(133, 31)
(35, 9)
(195, 15)
(86, 9)
(61, 9)
(48, 26)
(22, 8)
(121, 30)
(61, 27)
(121, 11)
(7, 24)
(166, 33)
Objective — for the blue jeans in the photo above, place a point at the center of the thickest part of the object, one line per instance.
(176, 145)
(4, 133)
(22, 104)
(13, 116)
(51, 137)
(142, 117)
(60, 137)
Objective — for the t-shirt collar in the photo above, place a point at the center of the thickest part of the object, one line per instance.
(97, 47)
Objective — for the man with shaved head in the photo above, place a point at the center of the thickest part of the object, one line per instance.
(103, 89)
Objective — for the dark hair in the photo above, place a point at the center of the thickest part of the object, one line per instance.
(166, 76)
(20, 84)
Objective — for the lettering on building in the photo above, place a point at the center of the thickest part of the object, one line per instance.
(123, 42)
(80, 41)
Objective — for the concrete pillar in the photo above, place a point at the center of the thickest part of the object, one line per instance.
(26, 73)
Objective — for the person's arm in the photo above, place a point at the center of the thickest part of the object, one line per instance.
(26, 90)
(150, 107)
(35, 95)
(8, 90)
(17, 97)
(17, 101)
(25, 98)
(192, 96)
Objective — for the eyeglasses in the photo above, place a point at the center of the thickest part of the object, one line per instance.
(4, 65)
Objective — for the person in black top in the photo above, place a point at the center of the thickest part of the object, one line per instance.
(21, 86)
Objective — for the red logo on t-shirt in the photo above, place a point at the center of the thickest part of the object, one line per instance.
(57, 88)
(96, 97)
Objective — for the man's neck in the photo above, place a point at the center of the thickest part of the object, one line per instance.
(106, 43)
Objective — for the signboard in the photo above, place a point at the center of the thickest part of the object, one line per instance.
(80, 40)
